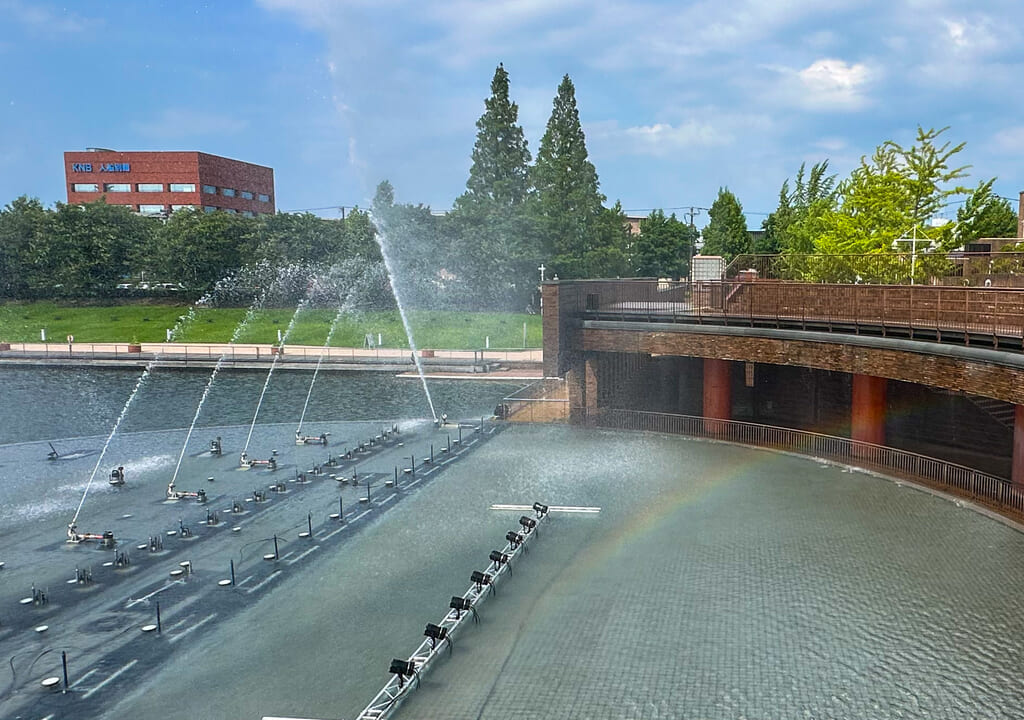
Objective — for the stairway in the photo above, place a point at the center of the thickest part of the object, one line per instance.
(1000, 410)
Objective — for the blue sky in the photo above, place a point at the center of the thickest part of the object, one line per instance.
(677, 98)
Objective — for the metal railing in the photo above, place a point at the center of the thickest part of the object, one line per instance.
(544, 400)
(211, 352)
(943, 314)
(975, 485)
(972, 269)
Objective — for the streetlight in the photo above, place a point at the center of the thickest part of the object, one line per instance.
(914, 240)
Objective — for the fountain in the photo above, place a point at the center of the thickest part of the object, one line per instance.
(380, 235)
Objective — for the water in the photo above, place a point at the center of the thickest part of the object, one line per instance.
(209, 383)
(37, 410)
(182, 321)
(270, 372)
(380, 235)
(717, 582)
(319, 362)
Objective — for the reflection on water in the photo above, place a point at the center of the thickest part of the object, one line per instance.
(47, 403)
(75, 408)
(717, 582)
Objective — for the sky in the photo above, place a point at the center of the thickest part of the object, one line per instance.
(677, 99)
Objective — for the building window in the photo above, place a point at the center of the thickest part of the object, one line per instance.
(209, 189)
(227, 192)
(117, 187)
(264, 198)
(247, 213)
(183, 187)
(208, 208)
(182, 207)
(149, 187)
(151, 209)
(85, 187)
(230, 211)
(246, 195)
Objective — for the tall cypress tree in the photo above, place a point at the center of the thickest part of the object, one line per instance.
(498, 177)
(494, 250)
(569, 202)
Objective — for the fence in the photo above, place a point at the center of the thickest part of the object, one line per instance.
(954, 314)
(545, 400)
(205, 353)
(977, 486)
(972, 269)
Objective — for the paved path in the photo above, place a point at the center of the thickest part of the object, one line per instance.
(257, 355)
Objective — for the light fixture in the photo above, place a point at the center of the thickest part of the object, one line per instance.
(498, 557)
(480, 579)
(403, 669)
(514, 538)
(540, 509)
(459, 605)
(435, 633)
(528, 523)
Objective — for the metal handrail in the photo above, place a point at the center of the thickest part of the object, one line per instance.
(967, 482)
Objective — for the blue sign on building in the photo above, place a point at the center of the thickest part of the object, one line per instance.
(81, 167)
(116, 167)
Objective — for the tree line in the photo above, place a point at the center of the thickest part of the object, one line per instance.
(86, 251)
(516, 214)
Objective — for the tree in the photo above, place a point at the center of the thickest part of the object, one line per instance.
(574, 226)
(89, 248)
(983, 215)
(726, 233)
(23, 231)
(498, 177)
(795, 223)
(198, 248)
(892, 195)
(663, 247)
(490, 244)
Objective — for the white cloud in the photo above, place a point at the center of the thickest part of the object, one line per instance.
(830, 84)
(704, 129)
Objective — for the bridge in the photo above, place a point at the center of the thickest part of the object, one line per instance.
(932, 370)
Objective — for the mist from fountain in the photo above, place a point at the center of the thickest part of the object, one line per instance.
(380, 236)
(327, 343)
(270, 373)
(249, 315)
(182, 322)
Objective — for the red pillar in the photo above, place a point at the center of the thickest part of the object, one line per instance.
(1017, 474)
(867, 422)
(717, 396)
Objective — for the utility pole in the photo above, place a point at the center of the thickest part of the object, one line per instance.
(690, 214)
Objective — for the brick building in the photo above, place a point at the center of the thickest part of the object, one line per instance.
(158, 183)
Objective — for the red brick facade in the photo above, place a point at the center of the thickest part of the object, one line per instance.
(101, 168)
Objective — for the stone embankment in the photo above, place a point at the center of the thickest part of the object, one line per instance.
(477, 364)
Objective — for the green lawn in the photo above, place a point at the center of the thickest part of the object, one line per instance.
(21, 322)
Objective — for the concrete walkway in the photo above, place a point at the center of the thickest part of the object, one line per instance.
(261, 355)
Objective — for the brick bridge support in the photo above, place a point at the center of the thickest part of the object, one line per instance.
(717, 390)
(867, 409)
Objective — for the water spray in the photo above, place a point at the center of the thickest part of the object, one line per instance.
(319, 362)
(401, 312)
(182, 321)
(270, 373)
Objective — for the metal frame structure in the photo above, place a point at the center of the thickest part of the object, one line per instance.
(392, 694)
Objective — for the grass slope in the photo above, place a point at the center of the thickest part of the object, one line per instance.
(21, 322)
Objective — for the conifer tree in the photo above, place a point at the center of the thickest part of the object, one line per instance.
(569, 203)
(499, 175)
(493, 249)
